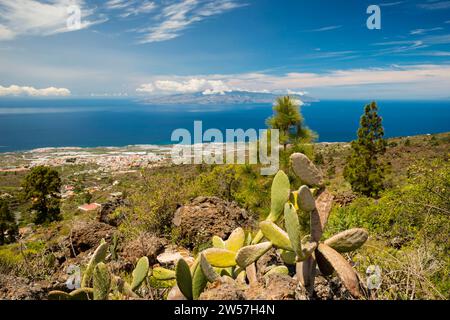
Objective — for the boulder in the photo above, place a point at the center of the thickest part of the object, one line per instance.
(172, 254)
(204, 217)
(17, 288)
(226, 289)
(145, 245)
(330, 289)
(86, 235)
(105, 214)
(276, 287)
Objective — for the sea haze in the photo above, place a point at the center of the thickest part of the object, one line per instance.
(27, 124)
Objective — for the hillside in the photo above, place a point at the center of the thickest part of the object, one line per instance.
(154, 209)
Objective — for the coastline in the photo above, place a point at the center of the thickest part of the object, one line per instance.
(114, 159)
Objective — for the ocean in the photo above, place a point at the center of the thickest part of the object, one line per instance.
(35, 123)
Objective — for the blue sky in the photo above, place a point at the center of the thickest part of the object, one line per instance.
(139, 48)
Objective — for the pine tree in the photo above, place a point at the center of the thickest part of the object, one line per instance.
(288, 120)
(42, 186)
(7, 223)
(364, 171)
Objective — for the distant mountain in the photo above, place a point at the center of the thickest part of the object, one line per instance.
(234, 97)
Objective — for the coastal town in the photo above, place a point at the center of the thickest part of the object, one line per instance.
(107, 159)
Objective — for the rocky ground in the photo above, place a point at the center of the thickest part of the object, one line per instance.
(197, 220)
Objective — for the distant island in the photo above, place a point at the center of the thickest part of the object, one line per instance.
(226, 98)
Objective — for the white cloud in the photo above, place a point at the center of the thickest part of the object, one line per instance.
(131, 8)
(423, 40)
(391, 4)
(32, 17)
(328, 28)
(177, 17)
(298, 93)
(15, 90)
(429, 53)
(424, 31)
(193, 85)
(118, 4)
(435, 5)
(414, 77)
(142, 8)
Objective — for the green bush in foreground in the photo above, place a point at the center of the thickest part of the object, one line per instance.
(413, 221)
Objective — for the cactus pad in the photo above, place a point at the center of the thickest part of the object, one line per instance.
(280, 193)
(163, 274)
(98, 256)
(101, 281)
(220, 258)
(247, 255)
(292, 226)
(140, 273)
(348, 240)
(184, 279)
(217, 242)
(235, 240)
(343, 269)
(276, 235)
(208, 270)
(305, 199)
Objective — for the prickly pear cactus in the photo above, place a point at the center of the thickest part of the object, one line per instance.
(276, 235)
(292, 226)
(250, 254)
(220, 258)
(348, 240)
(199, 282)
(184, 278)
(208, 270)
(101, 281)
(78, 294)
(163, 273)
(98, 256)
(277, 270)
(140, 273)
(236, 240)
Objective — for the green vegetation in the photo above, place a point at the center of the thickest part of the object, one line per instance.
(42, 186)
(236, 257)
(412, 221)
(364, 170)
(8, 226)
(289, 121)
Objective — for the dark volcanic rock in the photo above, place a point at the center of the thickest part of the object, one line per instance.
(330, 289)
(276, 287)
(87, 235)
(204, 217)
(107, 209)
(270, 258)
(16, 288)
(145, 245)
(227, 289)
